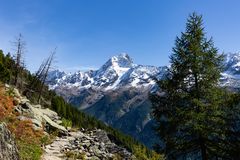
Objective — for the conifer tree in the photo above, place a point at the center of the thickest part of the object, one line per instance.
(188, 109)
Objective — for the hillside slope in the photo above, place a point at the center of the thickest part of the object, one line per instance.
(68, 143)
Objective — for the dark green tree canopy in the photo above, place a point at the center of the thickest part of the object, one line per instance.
(189, 108)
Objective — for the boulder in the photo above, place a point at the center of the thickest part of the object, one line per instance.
(53, 124)
(16, 101)
(51, 114)
(37, 125)
(7, 86)
(37, 106)
(16, 93)
(17, 109)
(39, 115)
(8, 148)
(24, 100)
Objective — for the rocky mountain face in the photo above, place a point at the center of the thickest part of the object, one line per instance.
(118, 92)
(8, 147)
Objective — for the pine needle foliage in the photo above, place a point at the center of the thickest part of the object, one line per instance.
(191, 106)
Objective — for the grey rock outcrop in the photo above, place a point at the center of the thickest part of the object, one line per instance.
(42, 118)
(8, 148)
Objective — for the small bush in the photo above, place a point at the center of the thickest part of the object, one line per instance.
(74, 155)
(10, 92)
(117, 157)
(45, 140)
(66, 122)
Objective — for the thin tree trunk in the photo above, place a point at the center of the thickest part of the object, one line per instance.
(203, 150)
(46, 70)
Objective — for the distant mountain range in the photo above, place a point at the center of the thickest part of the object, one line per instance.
(118, 92)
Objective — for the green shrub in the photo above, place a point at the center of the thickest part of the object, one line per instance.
(45, 140)
(10, 92)
(74, 155)
(117, 157)
(29, 151)
(66, 122)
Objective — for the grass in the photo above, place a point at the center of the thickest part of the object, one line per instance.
(66, 123)
(74, 155)
(29, 151)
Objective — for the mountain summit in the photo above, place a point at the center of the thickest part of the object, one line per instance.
(122, 60)
(118, 71)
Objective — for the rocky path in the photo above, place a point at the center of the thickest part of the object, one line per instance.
(92, 145)
(54, 151)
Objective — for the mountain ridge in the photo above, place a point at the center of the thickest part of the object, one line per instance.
(116, 69)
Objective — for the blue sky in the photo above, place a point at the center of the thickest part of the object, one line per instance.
(88, 32)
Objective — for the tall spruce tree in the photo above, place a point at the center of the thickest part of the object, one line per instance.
(188, 109)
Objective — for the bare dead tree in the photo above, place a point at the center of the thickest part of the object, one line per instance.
(43, 71)
(20, 45)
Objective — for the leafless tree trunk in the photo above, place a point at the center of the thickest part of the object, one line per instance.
(43, 72)
(19, 63)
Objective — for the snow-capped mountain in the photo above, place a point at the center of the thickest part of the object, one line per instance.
(118, 92)
(231, 75)
(117, 72)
